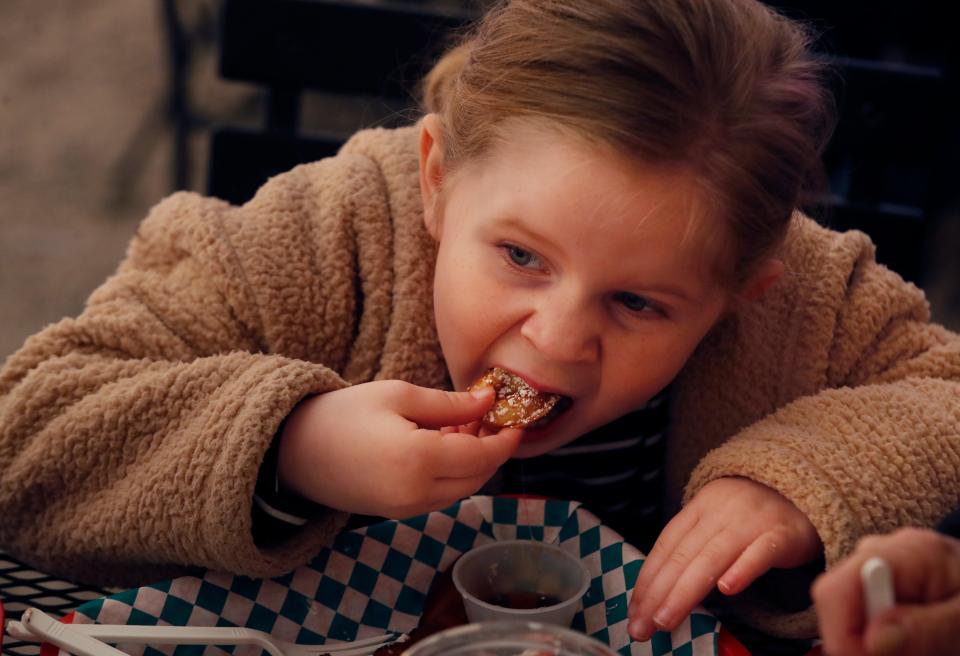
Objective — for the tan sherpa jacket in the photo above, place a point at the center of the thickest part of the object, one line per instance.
(132, 434)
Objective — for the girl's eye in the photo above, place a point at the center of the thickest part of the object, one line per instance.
(633, 302)
(521, 257)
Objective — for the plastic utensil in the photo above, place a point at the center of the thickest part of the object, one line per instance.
(877, 579)
(38, 624)
(75, 637)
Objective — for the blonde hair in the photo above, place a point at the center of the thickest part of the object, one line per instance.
(727, 89)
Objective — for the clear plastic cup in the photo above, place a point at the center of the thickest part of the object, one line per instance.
(509, 639)
(520, 580)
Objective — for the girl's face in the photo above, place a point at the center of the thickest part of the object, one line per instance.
(572, 267)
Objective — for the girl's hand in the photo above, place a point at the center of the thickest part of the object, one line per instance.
(730, 533)
(377, 448)
(926, 580)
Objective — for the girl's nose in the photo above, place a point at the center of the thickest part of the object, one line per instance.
(563, 331)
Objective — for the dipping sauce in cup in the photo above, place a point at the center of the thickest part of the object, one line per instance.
(520, 580)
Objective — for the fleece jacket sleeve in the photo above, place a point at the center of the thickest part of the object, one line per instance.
(878, 448)
(131, 435)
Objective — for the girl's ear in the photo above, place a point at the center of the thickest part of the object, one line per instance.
(431, 170)
(768, 273)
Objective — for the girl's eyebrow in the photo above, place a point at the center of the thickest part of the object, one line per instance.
(671, 290)
(511, 221)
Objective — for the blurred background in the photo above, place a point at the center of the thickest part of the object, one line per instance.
(106, 106)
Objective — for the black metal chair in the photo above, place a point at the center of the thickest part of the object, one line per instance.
(377, 51)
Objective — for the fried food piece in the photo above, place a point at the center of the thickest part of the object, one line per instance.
(517, 404)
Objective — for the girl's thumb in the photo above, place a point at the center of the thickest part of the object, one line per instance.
(916, 630)
(437, 408)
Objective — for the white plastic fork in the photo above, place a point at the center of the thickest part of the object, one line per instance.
(91, 639)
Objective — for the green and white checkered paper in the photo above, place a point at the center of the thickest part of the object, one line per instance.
(375, 579)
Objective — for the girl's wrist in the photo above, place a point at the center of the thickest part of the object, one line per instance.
(274, 494)
(301, 453)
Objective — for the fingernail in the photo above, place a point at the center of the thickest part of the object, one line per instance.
(481, 392)
(888, 639)
(640, 630)
(663, 617)
(725, 587)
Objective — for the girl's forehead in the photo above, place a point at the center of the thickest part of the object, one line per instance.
(589, 198)
(552, 155)
(536, 171)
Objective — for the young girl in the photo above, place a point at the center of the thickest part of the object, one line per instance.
(601, 199)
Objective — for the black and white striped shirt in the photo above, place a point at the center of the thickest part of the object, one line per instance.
(616, 471)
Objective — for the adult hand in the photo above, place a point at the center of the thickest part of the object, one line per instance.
(390, 448)
(730, 533)
(926, 578)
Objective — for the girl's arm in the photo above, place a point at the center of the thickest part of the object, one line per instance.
(875, 445)
(131, 436)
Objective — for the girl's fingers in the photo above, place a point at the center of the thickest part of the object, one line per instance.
(759, 556)
(640, 611)
(434, 408)
(473, 428)
(483, 431)
(669, 538)
(663, 573)
(469, 429)
(697, 579)
(462, 455)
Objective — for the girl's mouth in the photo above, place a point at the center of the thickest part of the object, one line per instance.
(562, 405)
